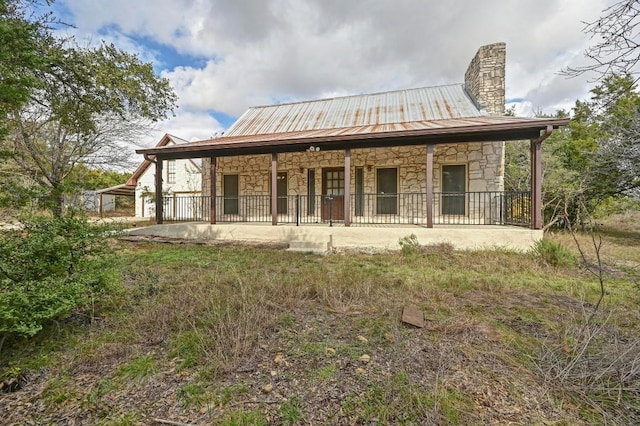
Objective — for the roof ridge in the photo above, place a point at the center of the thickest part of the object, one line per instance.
(353, 96)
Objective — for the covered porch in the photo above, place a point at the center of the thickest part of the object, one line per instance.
(339, 193)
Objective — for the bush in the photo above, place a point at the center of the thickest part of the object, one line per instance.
(48, 268)
(553, 253)
(409, 245)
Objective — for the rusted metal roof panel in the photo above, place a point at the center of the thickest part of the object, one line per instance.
(498, 127)
(366, 111)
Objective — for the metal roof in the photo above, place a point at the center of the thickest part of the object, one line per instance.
(124, 189)
(484, 128)
(361, 111)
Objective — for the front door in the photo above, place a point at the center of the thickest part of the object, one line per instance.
(333, 194)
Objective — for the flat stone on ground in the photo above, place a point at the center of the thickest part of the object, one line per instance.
(412, 315)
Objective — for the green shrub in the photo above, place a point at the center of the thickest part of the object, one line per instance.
(616, 205)
(553, 253)
(409, 245)
(48, 268)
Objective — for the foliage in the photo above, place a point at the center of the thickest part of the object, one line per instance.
(49, 268)
(21, 57)
(86, 177)
(76, 105)
(409, 245)
(612, 205)
(553, 253)
(596, 156)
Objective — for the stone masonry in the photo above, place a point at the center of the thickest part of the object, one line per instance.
(485, 81)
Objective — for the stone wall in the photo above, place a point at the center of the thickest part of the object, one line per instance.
(484, 171)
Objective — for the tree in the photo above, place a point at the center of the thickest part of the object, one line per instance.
(92, 178)
(597, 155)
(83, 105)
(611, 139)
(617, 36)
(21, 57)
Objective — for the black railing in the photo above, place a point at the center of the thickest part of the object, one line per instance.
(448, 208)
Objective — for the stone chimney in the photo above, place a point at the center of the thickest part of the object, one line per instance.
(484, 78)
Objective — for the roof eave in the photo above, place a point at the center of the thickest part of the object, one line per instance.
(478, 133)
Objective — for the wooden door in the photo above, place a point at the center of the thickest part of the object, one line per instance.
(333, 194)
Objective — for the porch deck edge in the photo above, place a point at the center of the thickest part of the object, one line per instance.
(384, 238)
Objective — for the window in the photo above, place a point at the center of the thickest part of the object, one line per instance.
(230, 184)
(387, 191)
(454, 186)
(171, 171)
(359, 191)
(311, 192)
(281, 192)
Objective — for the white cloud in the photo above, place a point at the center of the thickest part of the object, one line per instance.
(267, 51)
(187, 125)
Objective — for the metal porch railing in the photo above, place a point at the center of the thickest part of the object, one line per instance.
(449, 208)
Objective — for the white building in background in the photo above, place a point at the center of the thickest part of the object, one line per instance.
(181, 179)
(181, 186)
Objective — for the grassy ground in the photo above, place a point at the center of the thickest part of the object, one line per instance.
(255, 336)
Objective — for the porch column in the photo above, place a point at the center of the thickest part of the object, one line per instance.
(159, 203)
(101, 206)
(347, 187)
(274, 189)
(212, 191)
(429, 177)
(536, 184)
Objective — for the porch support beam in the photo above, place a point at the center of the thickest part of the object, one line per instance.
(159, 203)
(274, 189)
(536, 184)
(347, 187)
(212, 191)
(429, 185)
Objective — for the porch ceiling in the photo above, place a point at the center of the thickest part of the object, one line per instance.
(478, 129)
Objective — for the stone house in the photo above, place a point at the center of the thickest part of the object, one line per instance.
(424, 156)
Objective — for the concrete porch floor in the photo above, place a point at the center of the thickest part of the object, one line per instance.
(322, 237)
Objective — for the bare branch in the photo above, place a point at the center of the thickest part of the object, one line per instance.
(617, 38)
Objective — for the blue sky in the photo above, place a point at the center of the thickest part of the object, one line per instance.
(223, 56)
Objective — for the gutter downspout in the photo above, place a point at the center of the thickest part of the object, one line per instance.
(545, 135)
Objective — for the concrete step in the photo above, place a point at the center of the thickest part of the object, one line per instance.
(309, 246)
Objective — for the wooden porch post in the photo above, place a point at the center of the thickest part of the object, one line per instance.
(159, 203)
(347, 187)
(536, 184)
(274, 189)
(101, 206)
(429, 177)
(212, 191)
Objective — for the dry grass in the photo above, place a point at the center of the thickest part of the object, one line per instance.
(211, 328)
